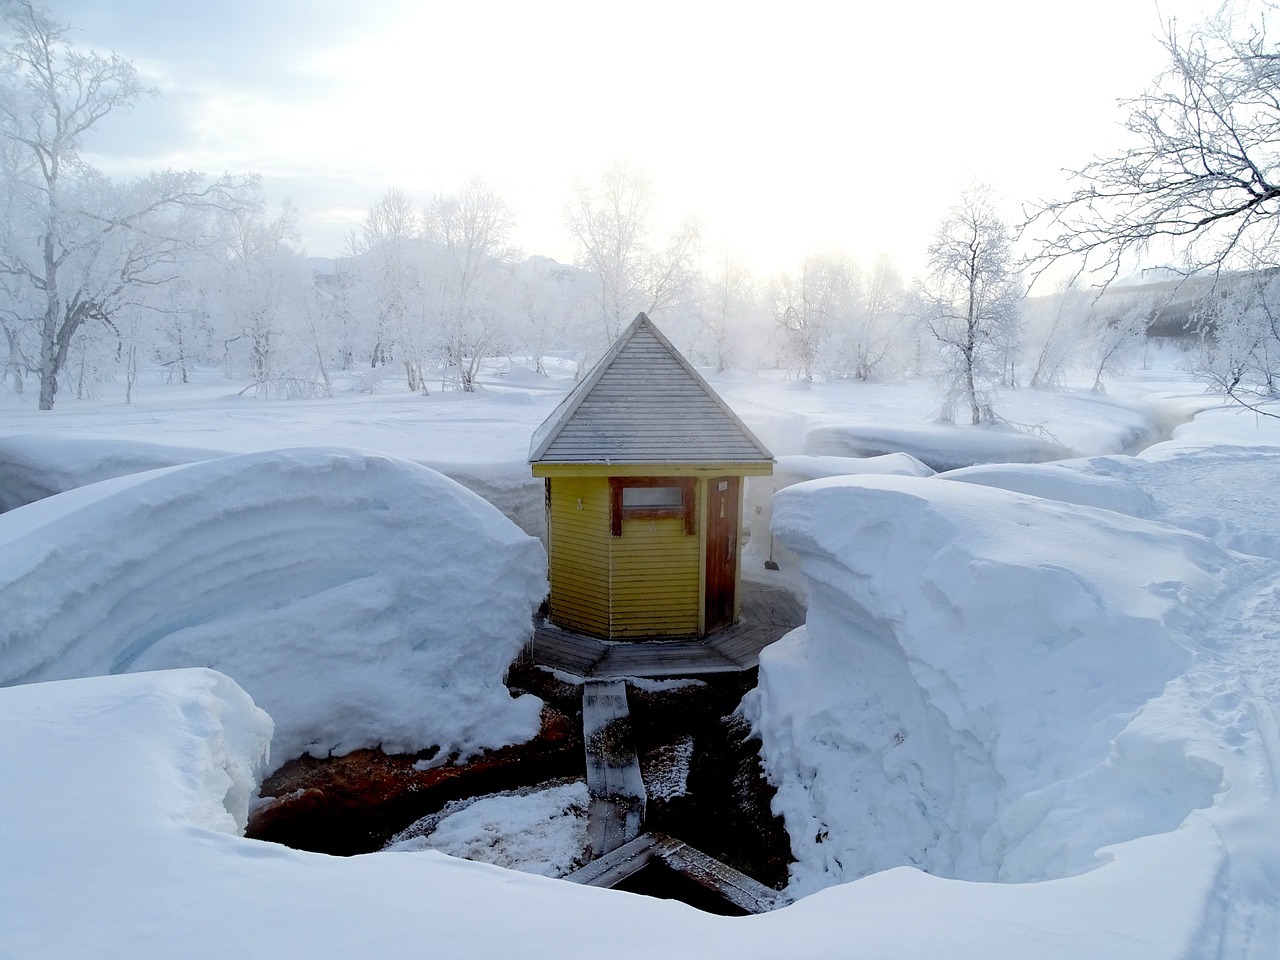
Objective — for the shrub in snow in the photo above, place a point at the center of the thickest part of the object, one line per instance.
(978, 688)
(359, 599)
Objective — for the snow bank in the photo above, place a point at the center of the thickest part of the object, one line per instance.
(1067, 482)
(33, 467)
(943, 446)
(509, 486)
(214, 756)
(797, 468)
(359, 599)
(975, 691)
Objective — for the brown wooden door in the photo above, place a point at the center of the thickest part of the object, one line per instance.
(722, 550)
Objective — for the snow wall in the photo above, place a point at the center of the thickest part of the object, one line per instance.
(359, 599)
(978, 688)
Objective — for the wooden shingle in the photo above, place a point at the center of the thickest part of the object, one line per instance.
(644, 403)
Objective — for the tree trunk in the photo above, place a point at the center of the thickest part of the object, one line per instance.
(49, 364)
(16, 365)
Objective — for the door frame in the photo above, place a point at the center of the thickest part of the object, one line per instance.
(720, 552)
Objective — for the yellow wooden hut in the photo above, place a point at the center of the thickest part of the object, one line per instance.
(643, 465)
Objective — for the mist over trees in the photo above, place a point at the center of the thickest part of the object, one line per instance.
(101, 278)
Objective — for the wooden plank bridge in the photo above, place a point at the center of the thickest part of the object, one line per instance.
(613, 770)
(616, 814)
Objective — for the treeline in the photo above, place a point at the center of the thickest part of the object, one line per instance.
(100, 278)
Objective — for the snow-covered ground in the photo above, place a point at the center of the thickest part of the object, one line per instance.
(1031, 714)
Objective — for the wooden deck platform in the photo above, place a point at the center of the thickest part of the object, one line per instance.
(767, 614)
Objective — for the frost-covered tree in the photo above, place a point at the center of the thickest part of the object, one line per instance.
(970, 296)
(472, 227)
(389, 271)
(1201, 170)
(611, 225)
(1112, 338)
(1053, 334)
(866, 344)
(1240, 354)
(1199, 178)
(260, 269)
(812, 307)
(728, 302)
(556, 308)
(83, 245)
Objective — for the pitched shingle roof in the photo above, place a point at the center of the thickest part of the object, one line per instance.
(644, 403)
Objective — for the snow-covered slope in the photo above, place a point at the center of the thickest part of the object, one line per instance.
(358, 598)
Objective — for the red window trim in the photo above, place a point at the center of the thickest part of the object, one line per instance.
(617, 513)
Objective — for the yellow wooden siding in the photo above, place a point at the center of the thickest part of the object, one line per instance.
(647, 583)
(578, 537)
(655, 580)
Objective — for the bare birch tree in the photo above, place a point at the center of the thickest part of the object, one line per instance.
(1199, 180)
(1202, 168)
(971, 300)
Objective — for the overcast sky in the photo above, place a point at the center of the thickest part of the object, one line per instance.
(789, 127)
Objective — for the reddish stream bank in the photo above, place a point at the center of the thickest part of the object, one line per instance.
(356, 803)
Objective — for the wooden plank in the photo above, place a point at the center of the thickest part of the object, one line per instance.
(613, 770)
(732, 649)
(616, 865)
(611, 823)
(734, 886)
(743, 646)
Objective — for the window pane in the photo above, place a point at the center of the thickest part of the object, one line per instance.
(652, 497)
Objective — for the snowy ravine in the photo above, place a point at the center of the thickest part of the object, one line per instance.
(994, 685)
(123, 797)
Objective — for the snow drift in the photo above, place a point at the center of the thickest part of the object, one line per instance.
(1073, 481)
(943, 446)
(359, 599)
(978, 687)
(33, 467)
